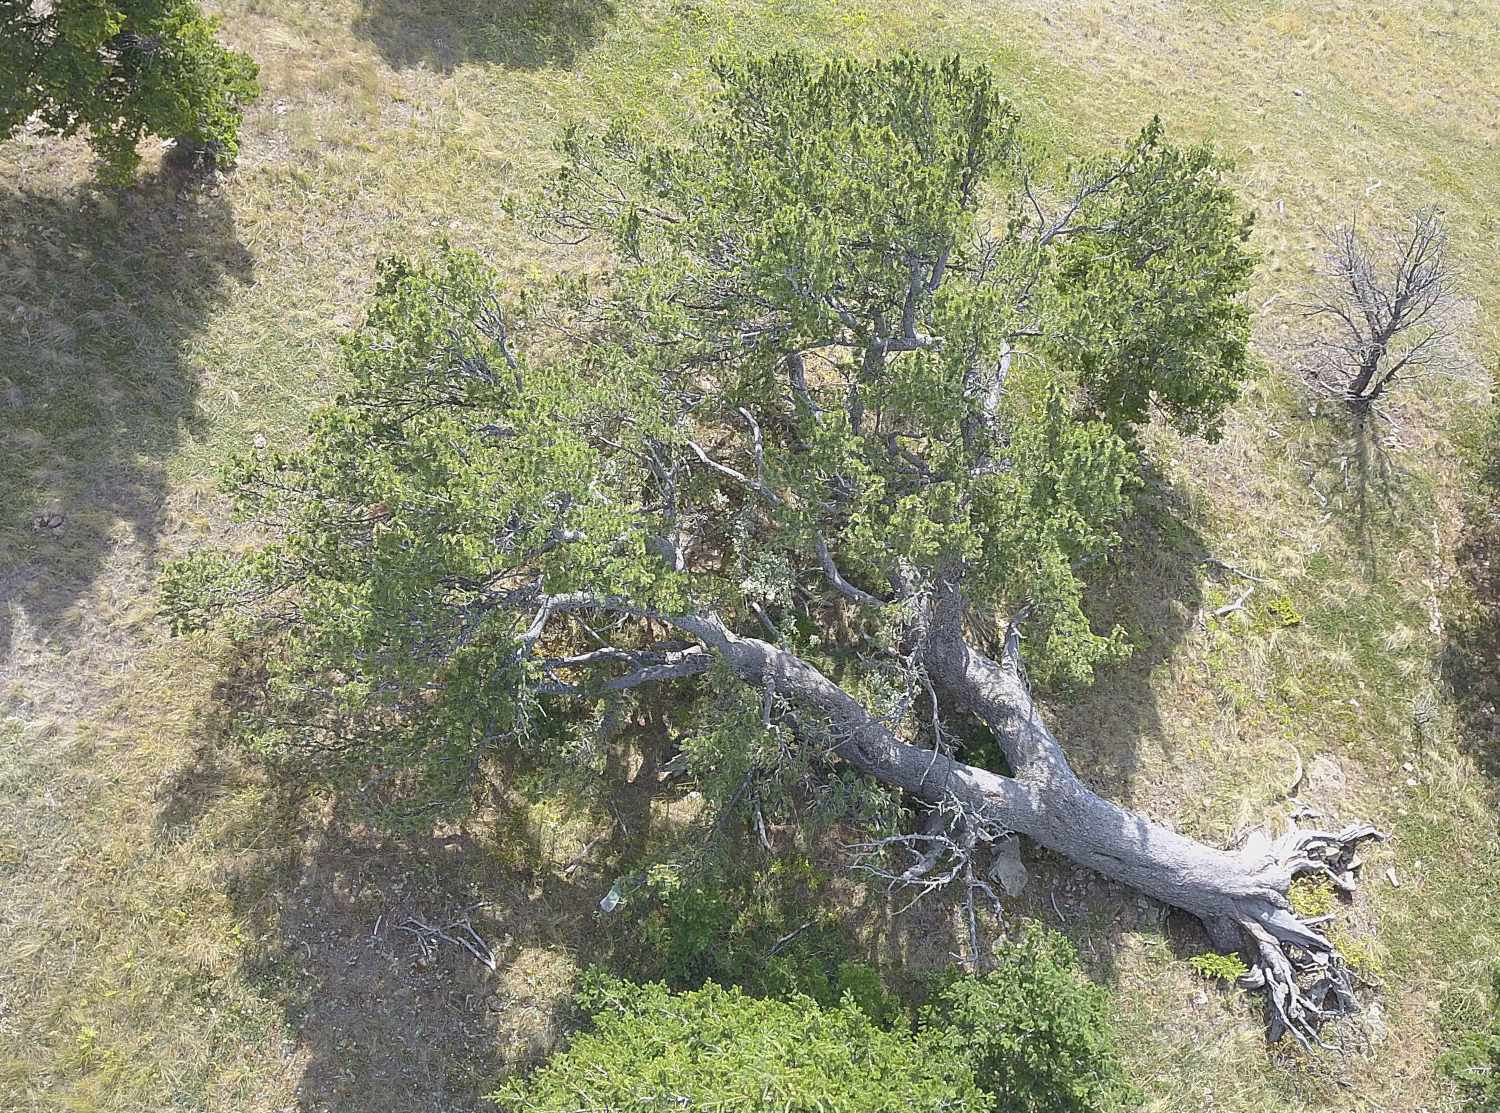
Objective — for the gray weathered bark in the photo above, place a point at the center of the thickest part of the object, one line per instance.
(1240, 895)
(1381, 322)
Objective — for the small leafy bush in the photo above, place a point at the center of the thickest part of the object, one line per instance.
(1283, 611)
(1037, 1031)
(1222, 967)
(1473, 1063)
(650, 1049)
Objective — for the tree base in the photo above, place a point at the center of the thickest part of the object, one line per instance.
(1306, 979)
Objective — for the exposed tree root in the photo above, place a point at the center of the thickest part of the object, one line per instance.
(1305, 978)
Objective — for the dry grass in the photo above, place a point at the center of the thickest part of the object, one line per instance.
(175, 933)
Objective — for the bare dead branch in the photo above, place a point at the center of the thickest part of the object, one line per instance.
(1382, 315)
(836, 578)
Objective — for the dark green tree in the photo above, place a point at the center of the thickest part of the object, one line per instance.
(121, 70)
(855, 393)
(1037, 1032)
(1033, 1036)
(648, 1048)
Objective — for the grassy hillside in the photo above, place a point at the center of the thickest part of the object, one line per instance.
(176, 932)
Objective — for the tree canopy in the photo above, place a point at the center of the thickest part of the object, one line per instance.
(121, 70)
(1031, 1036)
(715, 1048)
(851, 403)
(854, 330)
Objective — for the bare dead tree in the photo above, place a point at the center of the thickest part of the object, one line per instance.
(1381, 315)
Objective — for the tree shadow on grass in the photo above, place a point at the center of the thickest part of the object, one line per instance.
(1471, 653)
(441, 35)
(411, 971)
(364, 942)
(1361, 480)
(1152, 587)
(99, 300)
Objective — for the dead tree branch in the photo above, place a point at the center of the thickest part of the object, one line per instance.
(1381, 316)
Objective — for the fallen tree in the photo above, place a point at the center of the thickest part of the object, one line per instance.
(855, 396)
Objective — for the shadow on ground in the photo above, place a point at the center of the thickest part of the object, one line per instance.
(441, 35)
(1152, 587)
(370, 946)
(411, 972)
(1471, 653)
(98, 301)
(365, 944)
(1360, 479)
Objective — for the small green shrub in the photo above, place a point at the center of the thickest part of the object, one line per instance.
(752, 928)
(121, 69)
(650, 1049)
(1473, 1063)
(1225, 968)
(1310, 898)
(1037, 1031)
(1283, 611)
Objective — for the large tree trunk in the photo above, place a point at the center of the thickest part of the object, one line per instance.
(1239, 895)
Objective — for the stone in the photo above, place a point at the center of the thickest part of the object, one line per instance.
(1006, 868)
(1325, 779)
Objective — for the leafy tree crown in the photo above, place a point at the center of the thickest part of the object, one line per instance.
(649, 1048)
(852, 333)
(122, 69)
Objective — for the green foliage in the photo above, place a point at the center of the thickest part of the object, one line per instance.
(752, 929)
(716, 1048)
(1037, 1031)
(436, 477)
(738, 761)
(122, 69)
(1149, 290)
(1311, 898)
(1032, 1035)
(1226, 968)
(1283, 611)
(834, 312)
(1473, 1062)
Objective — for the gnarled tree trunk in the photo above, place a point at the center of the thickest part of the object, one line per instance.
(1240, 895)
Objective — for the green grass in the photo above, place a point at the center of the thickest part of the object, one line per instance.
(175, 933)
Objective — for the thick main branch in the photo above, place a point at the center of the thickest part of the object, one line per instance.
(1239, 895)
